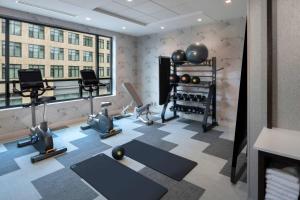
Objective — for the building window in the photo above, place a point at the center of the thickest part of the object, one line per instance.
(73, 71)
(73, 55)
(15, 49)
(36, 51)
(87, 41)
(36, 31)
(73, 38)
(108, 44)
(40, 67)
(13, 71)
(101, 44)
(57, 53)
(57, 71)
(101, 57)
(101, 71)
(87, 67)
(108, 71)
(15, 27)
(56, 35)
(88, 56)
(108, 58)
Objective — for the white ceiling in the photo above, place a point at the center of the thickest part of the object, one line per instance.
(140, 17)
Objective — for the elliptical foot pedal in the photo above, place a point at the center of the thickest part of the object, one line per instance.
(112, 132)
(52, 153)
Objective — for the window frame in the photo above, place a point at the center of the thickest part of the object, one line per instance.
(8, 83)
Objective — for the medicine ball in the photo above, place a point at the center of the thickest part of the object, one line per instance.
(196, 53)
(174, 78)
(195, 80)
(118, 153)
(185, 78)
(178, 56)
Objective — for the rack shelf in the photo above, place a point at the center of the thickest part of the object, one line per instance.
(207, 107)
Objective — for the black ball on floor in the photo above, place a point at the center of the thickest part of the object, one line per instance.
(118, 153)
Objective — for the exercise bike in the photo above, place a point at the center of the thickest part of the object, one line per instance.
(31, 85)
(101, 122)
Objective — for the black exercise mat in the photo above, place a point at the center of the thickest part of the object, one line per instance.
(169, 164)
(116, 181)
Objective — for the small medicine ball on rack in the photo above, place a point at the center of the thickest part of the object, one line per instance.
(174, 78)
(196, 53)
(178, 57)
(185, 78)
(195, 80)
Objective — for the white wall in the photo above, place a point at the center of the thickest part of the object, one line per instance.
(225, 40)
(13, 120)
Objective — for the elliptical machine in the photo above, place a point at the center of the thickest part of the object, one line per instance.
(31, 85)
(101, 122)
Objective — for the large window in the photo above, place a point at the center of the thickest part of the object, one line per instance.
(60, 54)
(56, 35)
(56, 53)
(13, 71)
(15, 49)
(73, 55)
(57, 71)
(36, 51)
(88, 56)
(87, 41)
(73, 71)
(36, 31)
(40, 67)
(73, 38)
(15, 27)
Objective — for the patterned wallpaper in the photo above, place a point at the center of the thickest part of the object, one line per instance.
(224, 40)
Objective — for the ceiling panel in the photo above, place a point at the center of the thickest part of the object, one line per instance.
(163, 14)
(148, 7)
(130, 4)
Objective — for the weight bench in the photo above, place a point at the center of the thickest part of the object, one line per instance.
(142, 111)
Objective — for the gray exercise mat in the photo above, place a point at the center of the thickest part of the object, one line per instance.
(116, 181)
(169, 164)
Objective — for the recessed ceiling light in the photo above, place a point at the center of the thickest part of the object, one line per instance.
(227, 1)
(123, 27)
(199, 20)
(88, 19)
(17, 1)
(129, 0)
(162, 27)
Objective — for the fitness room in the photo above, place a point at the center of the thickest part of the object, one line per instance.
(149, 99)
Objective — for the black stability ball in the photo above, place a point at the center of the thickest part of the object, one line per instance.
(178, 56)
(174, 78)
(196, 53)
(185, 78)
(118, 153)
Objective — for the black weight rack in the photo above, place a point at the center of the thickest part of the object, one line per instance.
(207, 106)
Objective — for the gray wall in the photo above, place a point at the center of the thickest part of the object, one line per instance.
(287, 90)
(225, 40)
(13, 120)
(257, 89)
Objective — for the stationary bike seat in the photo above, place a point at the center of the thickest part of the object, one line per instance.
(46, 99)
(105, 104)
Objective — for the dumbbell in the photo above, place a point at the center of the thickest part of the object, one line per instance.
(203, 98)
(186, 97)
(193, 97)
(179, 96)
(199, 97)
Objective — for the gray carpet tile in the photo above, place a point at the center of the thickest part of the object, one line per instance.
(182, 190)
(208, 137)
(220, 148)
(63, 185)
(8, 163)
(87, 147)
